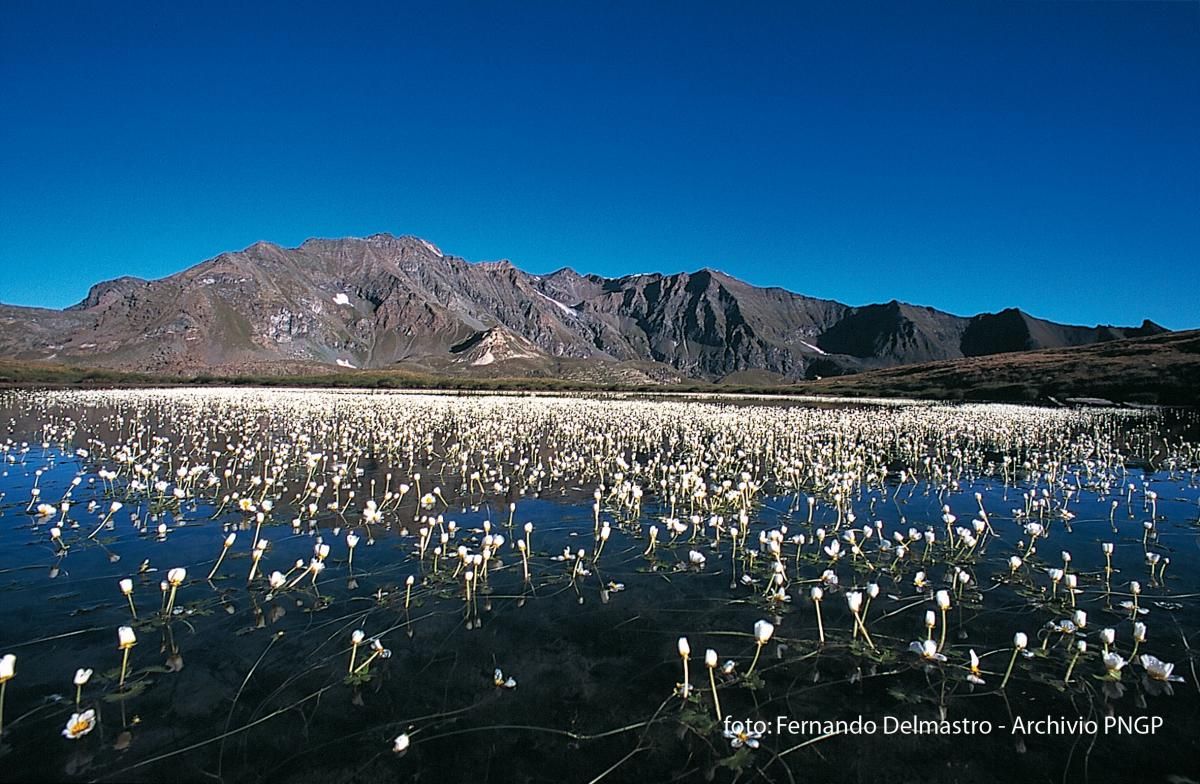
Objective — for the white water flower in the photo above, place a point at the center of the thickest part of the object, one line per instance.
(1158, 669)
(975, 675)
(926, 649)
(80, 724)
(742, 736)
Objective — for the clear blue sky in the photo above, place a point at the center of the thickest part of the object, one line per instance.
(970, 156)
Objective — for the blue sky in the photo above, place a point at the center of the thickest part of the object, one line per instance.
(969, 156)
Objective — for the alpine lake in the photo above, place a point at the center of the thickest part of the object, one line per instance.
(266, 585)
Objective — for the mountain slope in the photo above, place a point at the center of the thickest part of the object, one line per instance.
(384, 302)
(1161, 369)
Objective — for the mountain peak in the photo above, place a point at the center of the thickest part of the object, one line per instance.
(380, 300)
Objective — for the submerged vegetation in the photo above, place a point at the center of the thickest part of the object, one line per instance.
(366, 585)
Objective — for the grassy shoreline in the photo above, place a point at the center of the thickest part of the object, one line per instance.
(1161, 370)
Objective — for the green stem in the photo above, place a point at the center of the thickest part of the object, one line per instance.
(1008, 672)
(124, 669)
(863, 627)
(217, 565)
(757, 651)
(1071, 667)
(716, 700)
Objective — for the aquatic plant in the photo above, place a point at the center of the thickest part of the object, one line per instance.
(8, 670)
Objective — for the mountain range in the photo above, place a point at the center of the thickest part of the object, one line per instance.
(399, 302)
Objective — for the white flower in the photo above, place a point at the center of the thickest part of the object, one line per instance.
(1020, 641)
(927, 649)
(176, 576)
(685, 650)
(743, 737)
(1113, 662)
(400, 745)
(82, 676)
(696, 557)
(1080, 619)
(763, 631)
(80, 724)
(1108, 635)
(710, 658)
(943, 600)
(854, 600)
(277, 580)
(1158, 669)
(975, 675)
(358, 636)
(125, 637)
(126, 586)
(502, 682)
(8, 667)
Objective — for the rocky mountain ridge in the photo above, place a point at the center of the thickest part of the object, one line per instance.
(386, 301)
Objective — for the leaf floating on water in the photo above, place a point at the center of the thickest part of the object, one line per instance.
(131, 690)
(909, 698)
(88, 609)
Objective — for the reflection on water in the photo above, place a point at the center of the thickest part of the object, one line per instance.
(522, 569)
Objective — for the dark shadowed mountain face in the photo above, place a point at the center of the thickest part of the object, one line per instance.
(387, 301)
